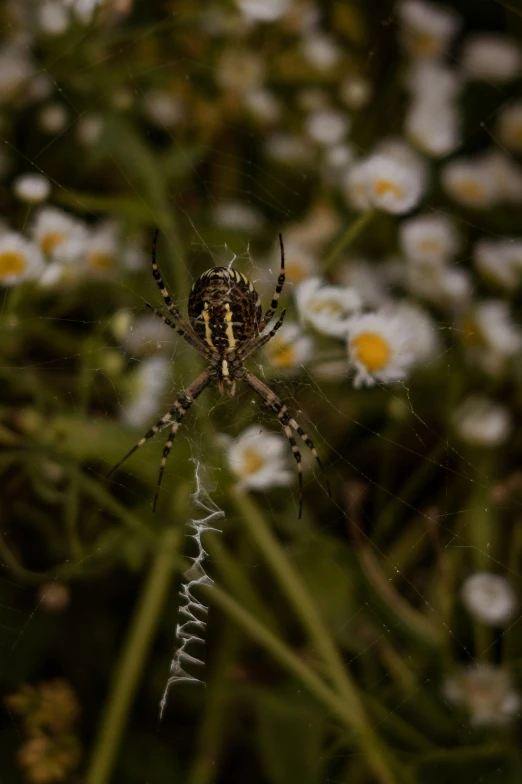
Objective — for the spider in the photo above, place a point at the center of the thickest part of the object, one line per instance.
(226, 326)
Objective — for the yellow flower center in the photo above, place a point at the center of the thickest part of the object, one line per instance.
(430, 246)
(101, 261)
(328, 306)
(382, 187)
(295, 272)
(470, 190)
(50, 241)
(283, 354)
(252, 461)
(372, 350)
(11, 263)
(425, 44)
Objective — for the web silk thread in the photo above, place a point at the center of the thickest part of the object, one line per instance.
(191, 628)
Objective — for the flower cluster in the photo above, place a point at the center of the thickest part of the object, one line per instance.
(49, 712)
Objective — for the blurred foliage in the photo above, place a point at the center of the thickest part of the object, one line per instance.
(330, 639)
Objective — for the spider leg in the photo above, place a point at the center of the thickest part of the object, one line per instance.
(280, 283)
(287, 421)
(184, 327)
(259, 340)
(180, 331)
(176, 412)
(166, 451)
(297, 455)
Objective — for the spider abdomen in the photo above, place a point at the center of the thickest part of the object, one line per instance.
(224, 309)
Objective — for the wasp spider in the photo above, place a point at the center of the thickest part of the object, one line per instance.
(226, 326)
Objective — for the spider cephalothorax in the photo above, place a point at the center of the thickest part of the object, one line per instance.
(226, 327)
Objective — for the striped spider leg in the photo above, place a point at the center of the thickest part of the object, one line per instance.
(174, 415)
(288, 424)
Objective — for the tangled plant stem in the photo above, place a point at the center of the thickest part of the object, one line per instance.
(353, 711)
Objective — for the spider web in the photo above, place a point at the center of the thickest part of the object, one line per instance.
(460, 480)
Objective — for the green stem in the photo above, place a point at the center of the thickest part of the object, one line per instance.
(132, 660)
(305, 609)
(376, 753)
(350, 235)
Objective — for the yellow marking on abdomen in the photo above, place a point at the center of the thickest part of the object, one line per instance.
(229, 332)
(208, 331)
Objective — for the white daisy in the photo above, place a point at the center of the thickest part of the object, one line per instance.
(423, 339)
(355, 92)
(491, 57)
(426, 29)
(290, 149)
(59, 236)
(83, 9)
(469, 183)
(263, 105)
(337, 161)
(15, 70)
(289, 349)
(300, 262)
(53, 19)
(237, 215)
(263, 10)
(327, 126)
(368, 280)
(509, 126)
(258, 458)
(53, 117)
(500, 261)
(327, 308)
(102, 251)
(355, 187)
(378, 348)
(31, 188)
(148, 385)
(482, 422)
(20, 259)
(321, 51)
(439, 283)
(393, 185)
(132, 256)
(497, 327)
(318, 227)
(490, 336)
(395, 147)
(89, 128)
(433, 126)
(433, 81)
(147, 335)
(163, 108)
(486, 692)
(489, 598)
(505, 175)
(428, 238)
